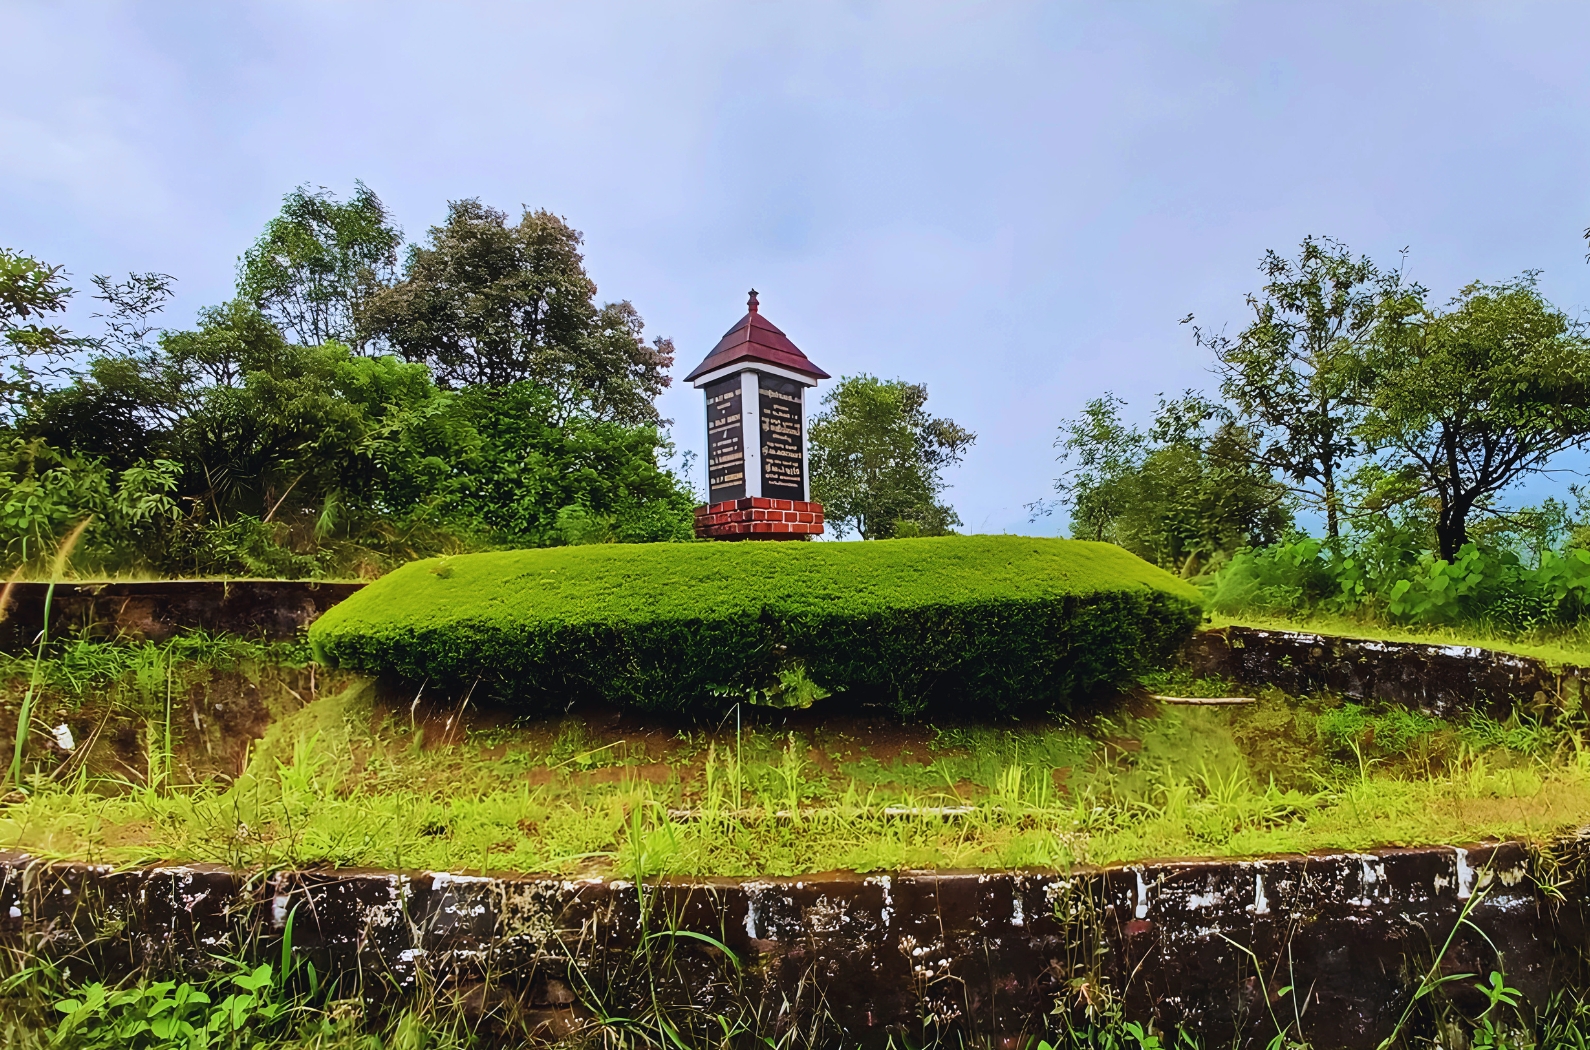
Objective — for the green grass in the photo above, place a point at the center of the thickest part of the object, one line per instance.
(347, 781)
(991, 625)
(1554, 648)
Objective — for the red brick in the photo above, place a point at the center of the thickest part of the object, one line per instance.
(781, 527)
(761, 526)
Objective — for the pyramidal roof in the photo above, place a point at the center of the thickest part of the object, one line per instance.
(755, 338)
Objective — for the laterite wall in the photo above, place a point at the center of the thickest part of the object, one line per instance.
(913, 956)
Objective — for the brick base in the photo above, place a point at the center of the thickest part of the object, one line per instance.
(759, 518)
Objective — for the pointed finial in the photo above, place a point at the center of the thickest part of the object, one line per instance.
(751, 303)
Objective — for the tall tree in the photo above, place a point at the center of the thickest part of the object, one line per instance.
(485, 302)
(1289, 373)
(878, 459)
(1098, 448)
(1184, 492)
(318, 260)
(1478, 396)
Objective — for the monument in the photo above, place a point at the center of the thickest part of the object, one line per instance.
(755, 381)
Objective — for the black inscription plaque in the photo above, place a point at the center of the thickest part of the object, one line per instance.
(725, 441)
(783, 465)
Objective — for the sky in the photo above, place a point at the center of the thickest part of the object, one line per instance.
(1012, 203)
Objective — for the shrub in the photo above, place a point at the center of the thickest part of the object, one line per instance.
(1491, 587)
(974, 625)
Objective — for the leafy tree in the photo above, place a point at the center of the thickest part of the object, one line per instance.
(256, 443)
(114, 408)
(1474, 398)
(30, 290)
(318, 261)
(1098, 450)
(486, 303)
(1290, 373)
(878, 459)
(1180, 495)
(267, 426)
(507, 464)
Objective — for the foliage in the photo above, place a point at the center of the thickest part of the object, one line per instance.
(486, 303)
(1291, 375)
(877, 459)
(507, 463)
(44, 493)
(1491, 587)
(1472, 399)
(80, 666)
(172, 1015)
(318, 261)
(269, 440)
(29, 291)
(1179, 495)
(1405, 423)
(992, 624)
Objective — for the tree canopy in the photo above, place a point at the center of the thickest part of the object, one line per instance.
(318, 261)
(878, 459)
(1290, 374)
(1472, 398)
(1186, 492)
(483, 302)
(30, 290)
(276, 437)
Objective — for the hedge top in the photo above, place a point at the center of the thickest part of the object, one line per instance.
(619, 584)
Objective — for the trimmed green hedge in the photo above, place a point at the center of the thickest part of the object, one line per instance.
(976, 626)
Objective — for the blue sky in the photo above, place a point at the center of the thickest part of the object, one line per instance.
(1013, 203)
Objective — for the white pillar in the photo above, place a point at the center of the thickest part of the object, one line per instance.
(751, 436)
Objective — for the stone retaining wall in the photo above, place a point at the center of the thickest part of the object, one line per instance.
(1439, 679)
(273, 610)
(985, 957)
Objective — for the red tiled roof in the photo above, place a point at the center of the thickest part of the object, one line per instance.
(755, 338)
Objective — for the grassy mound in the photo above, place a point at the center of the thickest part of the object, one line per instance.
(970, 625)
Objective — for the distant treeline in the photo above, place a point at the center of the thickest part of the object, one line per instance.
(1400, 423)
(343, 412)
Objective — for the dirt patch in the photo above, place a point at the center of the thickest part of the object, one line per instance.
(215, 715)
(652, 773)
